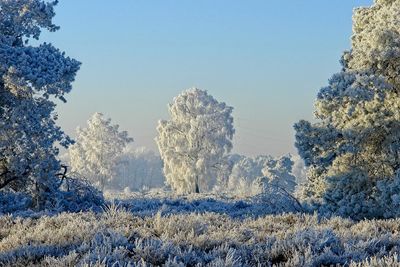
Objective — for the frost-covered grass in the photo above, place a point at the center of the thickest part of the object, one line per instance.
(148, 230)
(166, 202)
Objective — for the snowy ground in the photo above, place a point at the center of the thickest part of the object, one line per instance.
(202, 231)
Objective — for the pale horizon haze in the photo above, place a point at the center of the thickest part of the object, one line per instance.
(267, 59)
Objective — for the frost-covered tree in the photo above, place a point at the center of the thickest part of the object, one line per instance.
(244, 172)
(375, 41)
(194, 142)
(355, 145)
(249, 175)
(249, 168)
(137, 169)
(31, 79)
(94, 154)
(299, 169)
(279, 173)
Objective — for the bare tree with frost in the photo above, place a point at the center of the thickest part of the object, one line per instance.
(194, 142)
(31, 79)
(97, 147)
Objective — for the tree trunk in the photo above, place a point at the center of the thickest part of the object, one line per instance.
(197, 189)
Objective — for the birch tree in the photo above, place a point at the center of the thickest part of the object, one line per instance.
(194, 142)
(97, 147)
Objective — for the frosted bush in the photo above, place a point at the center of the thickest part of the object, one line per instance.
(12, 202)
(79, 195)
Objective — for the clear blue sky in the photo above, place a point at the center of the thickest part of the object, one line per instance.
(265, 58)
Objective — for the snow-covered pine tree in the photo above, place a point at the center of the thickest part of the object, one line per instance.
(31, 78)
(354, 148)
(194, 142)
(97, 147)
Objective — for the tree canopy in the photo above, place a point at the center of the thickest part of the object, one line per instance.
(353, 149)
(195, 140)
(31, 77)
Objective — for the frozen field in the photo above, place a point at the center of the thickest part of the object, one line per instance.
(158, 230)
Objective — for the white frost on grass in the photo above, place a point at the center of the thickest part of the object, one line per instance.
(118, 237)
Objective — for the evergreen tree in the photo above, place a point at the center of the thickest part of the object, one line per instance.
(31, 79)
(355, 145)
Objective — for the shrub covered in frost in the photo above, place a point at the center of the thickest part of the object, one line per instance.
(79, 195)
(74, 195)
(11, 202)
